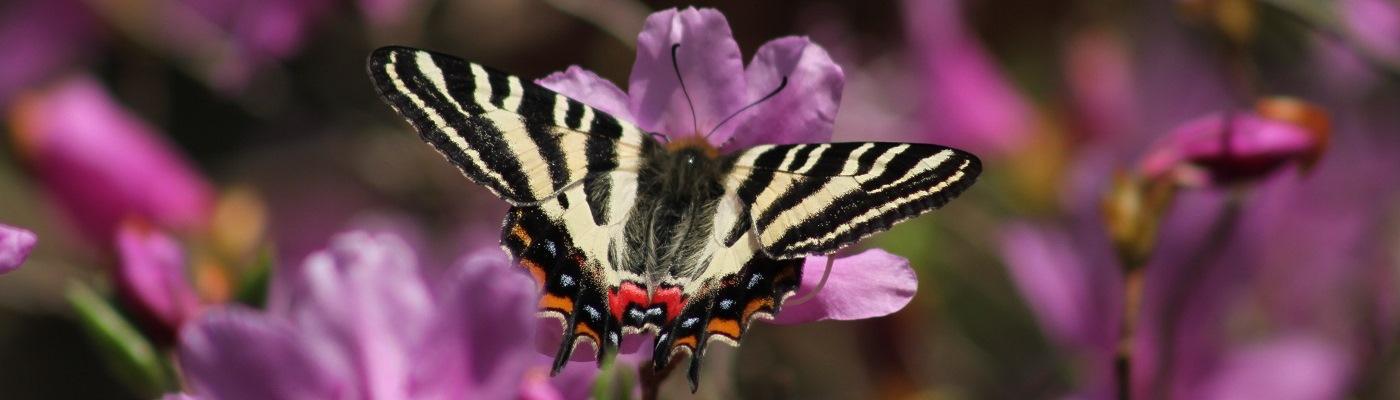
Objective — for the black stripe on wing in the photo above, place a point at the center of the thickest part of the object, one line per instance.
(815, 199)
(505, 133)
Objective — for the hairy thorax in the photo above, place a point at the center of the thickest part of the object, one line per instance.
(677, 194)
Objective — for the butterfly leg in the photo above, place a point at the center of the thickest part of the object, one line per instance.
(571, 291)
(725, 311)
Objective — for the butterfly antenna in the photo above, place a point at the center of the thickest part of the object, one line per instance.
(831, 259)
(694, 122)
(741, 110)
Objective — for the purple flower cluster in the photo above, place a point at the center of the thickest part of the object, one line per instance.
(362, 319)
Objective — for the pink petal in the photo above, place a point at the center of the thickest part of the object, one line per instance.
(1249, 147)
(152, 275)
(871, 284)
(257, 34)
(589, 88)
(236, 353)
(968, 103)
(1073, 295)
(573, 383)
(804, 111)
(1099, 75)
(709, 62)
(1287, 368)
(536, 385)
(42, 39)
(15, 245)
(480, 345)
(1374, 24)
(107, 154)
(363, 305)
(386, 12)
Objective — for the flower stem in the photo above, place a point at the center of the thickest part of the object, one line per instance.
(1196, 268)
(1132, 304)
(1310, 20)
(651, 379)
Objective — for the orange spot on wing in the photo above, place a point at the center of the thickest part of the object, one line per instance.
(756, 305)
(583, 329)
(726, 327)
(688, 341)
(520, 233)
(536, 271)
(558, 303)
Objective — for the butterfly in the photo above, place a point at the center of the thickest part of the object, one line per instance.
(625, 233)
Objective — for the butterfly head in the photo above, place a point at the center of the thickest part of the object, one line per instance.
(689, 165)
(694, 147)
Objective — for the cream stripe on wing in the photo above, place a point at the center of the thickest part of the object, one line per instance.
(429, 69)
(782, 182)
(482, 92)
(516, 94)
(875, 212)
(818, 201)
(585, 124)
(561, 110)
(524, 150)
(925, 165)
(884, 159)
(812, 159)
(853, 161)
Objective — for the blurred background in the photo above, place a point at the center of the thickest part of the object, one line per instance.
(1197, 194)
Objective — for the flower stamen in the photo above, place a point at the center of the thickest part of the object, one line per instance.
(770, 95)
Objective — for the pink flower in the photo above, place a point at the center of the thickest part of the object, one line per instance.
(1291, 367)
(870, 284)
(151, 278)
(1222, 149)
(15, 245)
(100, 164)
(252, 35)
(363, 321)
(967, 102)
(387, 12)
(1075, 290)
(1099, 78)
(1373, 24)
(41, 39)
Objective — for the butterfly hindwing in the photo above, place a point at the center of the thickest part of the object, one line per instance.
(810, 199)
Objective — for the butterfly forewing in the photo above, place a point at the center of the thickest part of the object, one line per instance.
(808, 199)
(523, 142)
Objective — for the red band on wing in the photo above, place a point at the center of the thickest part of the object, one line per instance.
(626, 294)
(671, 297)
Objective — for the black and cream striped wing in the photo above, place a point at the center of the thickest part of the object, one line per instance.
(810, 199)
(525, 143)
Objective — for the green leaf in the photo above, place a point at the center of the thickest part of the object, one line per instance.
(614, 380)
(252, 285)
(129, 355)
